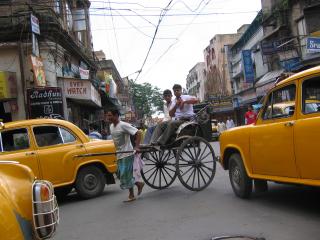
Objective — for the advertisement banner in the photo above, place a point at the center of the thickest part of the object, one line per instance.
(248, 70)
(38, 71)
(84, 74)
(8, 85)
(45, 103)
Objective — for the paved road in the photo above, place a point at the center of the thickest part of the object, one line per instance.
(284, 213)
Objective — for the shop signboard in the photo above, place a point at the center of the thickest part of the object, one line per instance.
(247, 66)
(8, 85)
(313, 44)
(35, 24)
(84, 74)
(291, 64)
(38, 71)
(81, 89)
(45, 102)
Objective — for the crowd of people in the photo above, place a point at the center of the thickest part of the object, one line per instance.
(128, 139)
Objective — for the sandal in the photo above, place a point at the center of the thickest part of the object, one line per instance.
(129, 200)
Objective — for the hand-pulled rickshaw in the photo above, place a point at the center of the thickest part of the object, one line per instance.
(188, 156)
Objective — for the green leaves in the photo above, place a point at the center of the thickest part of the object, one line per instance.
(147, 99)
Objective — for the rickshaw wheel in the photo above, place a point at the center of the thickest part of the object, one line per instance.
(159, 171)
(195, 163)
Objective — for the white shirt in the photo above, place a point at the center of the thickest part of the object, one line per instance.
(121, 137)
(166, 108)
(230, 124)
(186, 111)
(221, 127)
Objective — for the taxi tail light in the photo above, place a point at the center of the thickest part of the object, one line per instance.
(45, 209)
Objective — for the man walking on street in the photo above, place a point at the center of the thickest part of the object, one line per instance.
(121, 132)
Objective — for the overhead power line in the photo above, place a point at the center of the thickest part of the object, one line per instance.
(162, 15)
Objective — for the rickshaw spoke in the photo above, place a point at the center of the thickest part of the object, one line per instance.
(168, 172)
(205, 172)
(155, 177)
(194, 176)
(190, 176)
(203, 152)
(152, 160)
(209, 153)
(187, 171)
(160, 170)
(156, 170)
(202, 176)
(150, 170)
(208, 162)
(211, 169)
(192, 157)
(164, 177)
(169, 169)
(198, 178)
(180, 155)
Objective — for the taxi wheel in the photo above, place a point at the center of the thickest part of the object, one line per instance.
(240, 182)
(90, 182)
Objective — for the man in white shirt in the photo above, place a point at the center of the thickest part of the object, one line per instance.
(167, 96)
(230, 123)
(121, 132)
(221, 127)
(181, 109)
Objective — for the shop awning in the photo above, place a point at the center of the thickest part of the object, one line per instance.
(269, 77)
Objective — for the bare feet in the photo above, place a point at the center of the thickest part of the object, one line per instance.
(140, 186)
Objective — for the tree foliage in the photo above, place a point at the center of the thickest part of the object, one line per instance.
(147, 99)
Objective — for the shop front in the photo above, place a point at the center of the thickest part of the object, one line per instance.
(83, 103)
(8, 96)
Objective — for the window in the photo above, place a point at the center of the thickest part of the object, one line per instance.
(311, 96)
(14, 140)
(280, 103)
(47, 136)
(67, 136)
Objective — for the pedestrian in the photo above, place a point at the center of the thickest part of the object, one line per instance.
(221, 127)
(121, 132)
(93, 132)
(229, 123)
(250, 116)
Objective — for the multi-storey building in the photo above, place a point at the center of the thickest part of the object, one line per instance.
(196, 81)
(46, 55)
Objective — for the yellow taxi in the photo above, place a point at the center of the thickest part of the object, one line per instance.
(28, 207)
(283, 144)
(58, 151)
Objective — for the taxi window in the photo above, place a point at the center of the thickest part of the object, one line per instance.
(13, 140)
(67, 136)
(280, 103)
(311, 96)
(47, 135)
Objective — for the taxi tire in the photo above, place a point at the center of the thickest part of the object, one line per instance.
(240, 182)
(86, 176)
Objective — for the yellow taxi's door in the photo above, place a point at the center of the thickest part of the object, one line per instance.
(271, 140)
(17, 145)
(56, 148)
(307, 130)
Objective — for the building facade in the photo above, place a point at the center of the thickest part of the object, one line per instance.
(196, 81)
(47, 48)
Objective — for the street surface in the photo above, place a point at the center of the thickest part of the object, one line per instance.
(284, 213)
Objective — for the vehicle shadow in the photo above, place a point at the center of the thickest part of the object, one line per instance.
(292, 197)
(74, 197)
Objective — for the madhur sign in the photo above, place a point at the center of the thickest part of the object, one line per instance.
(45, 102)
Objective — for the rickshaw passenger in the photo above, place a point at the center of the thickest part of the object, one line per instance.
(181, 110)
(167, 96)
